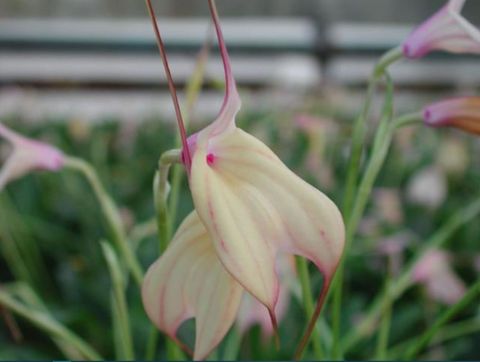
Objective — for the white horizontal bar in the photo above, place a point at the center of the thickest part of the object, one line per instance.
(302, 70)
(256, 32)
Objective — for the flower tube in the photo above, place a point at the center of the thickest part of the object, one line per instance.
(27, 156)
(447, 30)
(462, 113)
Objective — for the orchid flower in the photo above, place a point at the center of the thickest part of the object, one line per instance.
(446, 30)
(462, 113)
(27, 156)
(250, 209)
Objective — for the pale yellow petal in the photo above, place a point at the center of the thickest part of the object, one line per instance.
(188, 281)
(254, 206)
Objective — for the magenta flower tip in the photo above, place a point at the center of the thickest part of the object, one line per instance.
(427, 116)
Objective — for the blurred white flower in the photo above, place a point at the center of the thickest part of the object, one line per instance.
(453, 157)
(428, 187)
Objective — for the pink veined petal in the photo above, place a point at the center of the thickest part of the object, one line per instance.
(189, 281)
(446, 30)
(254, 207)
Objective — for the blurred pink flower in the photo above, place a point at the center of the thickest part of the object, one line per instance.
(446, 30)
(462, 113)
(393, 248)
(434, 272)
(395, 244)
(27, 156)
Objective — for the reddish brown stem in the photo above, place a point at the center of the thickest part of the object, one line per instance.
(11, 325)
(171, 85)
(273, 319)
(229, 81)
(313, 320)
(183, 346)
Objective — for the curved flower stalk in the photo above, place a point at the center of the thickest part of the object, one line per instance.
(27, 156)
(249, 209)
(447, 30)
(462, 113)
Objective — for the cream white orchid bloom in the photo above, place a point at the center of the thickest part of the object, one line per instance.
(27, 156)
(251, 209)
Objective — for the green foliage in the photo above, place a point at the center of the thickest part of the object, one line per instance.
(51, 225)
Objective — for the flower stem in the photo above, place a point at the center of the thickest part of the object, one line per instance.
(359, 128)
(307, 299)
(449, 332)
(160, 190)
(472, 294)
(111, 214)
(350, 210)
(383, 334)
(119, 302)
(51, 326)
(164, 229)
(381, 146)
(404, 281)
(387, 59)
(194, 86)
(232, 345)
(171, 85)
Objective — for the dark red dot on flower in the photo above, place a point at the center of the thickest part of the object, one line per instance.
(427, 114)
(210, 159)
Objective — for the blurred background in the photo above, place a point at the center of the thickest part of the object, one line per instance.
(84, 58)
(85, 75)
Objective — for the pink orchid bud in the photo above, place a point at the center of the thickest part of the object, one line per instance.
(447, 30)
(27, 156)
(434, 272)
(462, 113)
(249, 209)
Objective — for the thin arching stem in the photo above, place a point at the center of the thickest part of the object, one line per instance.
(229, 81)
(171, 85)
(313, 319)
